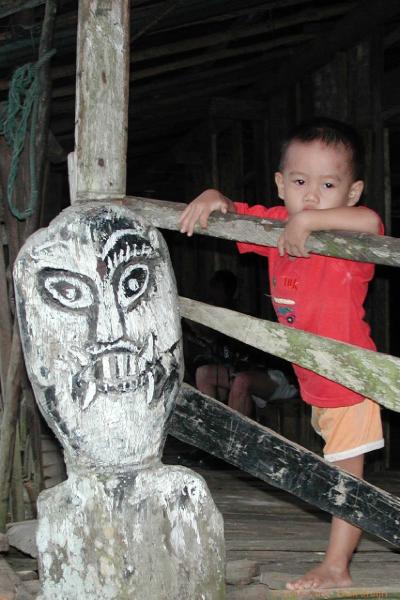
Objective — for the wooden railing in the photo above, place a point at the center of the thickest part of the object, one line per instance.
(223, 432)
(363, 247)
(373, 374)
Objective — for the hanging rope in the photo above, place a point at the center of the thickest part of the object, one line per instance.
(22, 104)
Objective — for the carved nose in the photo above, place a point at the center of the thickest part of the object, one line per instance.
(109, 321)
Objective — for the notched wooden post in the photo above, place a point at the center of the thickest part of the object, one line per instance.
(100, 328)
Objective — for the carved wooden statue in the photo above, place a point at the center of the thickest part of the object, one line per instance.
(100, 328)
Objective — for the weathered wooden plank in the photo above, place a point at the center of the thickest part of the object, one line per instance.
(353, 593)
(359, 22)
(43, 113)
(102, 98)
(10, 45)
(157, 15)
(9, 7)
(5, 321)
(225, 36)
(193, 13)
(140, 74)
(9, 423)
(22, 535)
(225, 433)
(11, 586)
(372, 374)
(4, 544)
(362, 560)
(220, 54)
(356, 246)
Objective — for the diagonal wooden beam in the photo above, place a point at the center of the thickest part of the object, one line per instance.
(373, 374)
(156, 17)
(9, 7)
(225, 433)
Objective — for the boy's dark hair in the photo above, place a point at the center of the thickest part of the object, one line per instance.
(332, 133)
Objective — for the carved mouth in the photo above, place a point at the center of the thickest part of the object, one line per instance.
(118, 370)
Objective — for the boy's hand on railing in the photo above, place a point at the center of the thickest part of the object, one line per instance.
(294, 236)
(200, 209)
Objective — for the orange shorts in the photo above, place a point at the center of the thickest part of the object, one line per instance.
(349, 430)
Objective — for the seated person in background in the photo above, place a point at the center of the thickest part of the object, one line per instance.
(231, 371)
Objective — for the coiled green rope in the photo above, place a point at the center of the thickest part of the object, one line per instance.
(23, 102)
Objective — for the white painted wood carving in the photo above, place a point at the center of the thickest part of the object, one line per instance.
(100, 328)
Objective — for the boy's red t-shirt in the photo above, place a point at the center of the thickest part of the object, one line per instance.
(321, 295)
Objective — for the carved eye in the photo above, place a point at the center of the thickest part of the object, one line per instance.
(69, 291)
(132, 284)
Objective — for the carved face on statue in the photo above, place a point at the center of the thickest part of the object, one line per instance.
(100, 328)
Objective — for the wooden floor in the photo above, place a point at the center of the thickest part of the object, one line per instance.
(283, 536)
(286, 537)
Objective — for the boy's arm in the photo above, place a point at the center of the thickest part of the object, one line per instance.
(346, 218)
(200, 209)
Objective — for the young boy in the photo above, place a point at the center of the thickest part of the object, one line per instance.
(320, 182)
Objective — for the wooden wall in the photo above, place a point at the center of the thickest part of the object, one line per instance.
(237, 150)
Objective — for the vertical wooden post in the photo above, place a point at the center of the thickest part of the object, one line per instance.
(12, 364)
(102, 88)
(9, 424)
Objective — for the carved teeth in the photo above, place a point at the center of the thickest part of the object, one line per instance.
(149, 350)
(129, 364)
(121, 365)
(119, 371)
(147, 355)
(114, 366)
(90, 394)
(150, 388)
(105, 361)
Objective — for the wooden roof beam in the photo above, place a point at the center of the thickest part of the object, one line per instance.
(232, 10)
(10, 7)
(205, 41)
(359, 23)
(143, 15)
(214, 39)
(201, 59)
(193, 85)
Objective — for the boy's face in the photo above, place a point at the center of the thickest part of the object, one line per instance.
(317, 176)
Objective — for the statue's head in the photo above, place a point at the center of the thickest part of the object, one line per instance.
(100, 328)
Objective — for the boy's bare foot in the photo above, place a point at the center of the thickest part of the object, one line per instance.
(322, 577)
